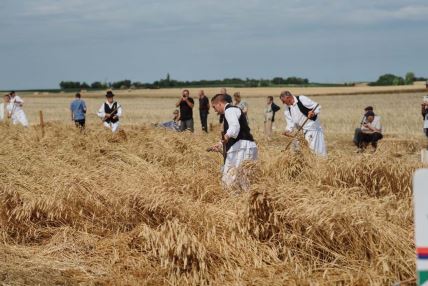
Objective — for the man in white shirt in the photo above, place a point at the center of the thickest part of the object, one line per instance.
(297, 110)
(110, 112)
(371, 131)
(238, 142)
(16, 113)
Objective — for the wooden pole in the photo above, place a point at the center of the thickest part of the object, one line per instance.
(42, 123)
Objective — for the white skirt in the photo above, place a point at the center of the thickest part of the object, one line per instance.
(113, 126)
(245, 150)
(19, 117)
(316, 141)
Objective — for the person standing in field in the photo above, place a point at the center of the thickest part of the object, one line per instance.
(78, 111)
(228, 100)
(237, 141)
(110, 112)
(270, 110)
(16, 113)
(186, 104)
(297, 110)
(241, 104)
(425, 116)
(204, 107)
(371, 131)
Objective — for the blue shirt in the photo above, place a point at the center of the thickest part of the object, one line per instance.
(78, 108)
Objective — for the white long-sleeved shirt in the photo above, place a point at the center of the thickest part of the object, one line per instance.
(101, 113)
(375, 123)
(232, 117)
(16, 102)
(295, 118)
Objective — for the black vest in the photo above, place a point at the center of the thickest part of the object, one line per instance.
(303, 109)
(112, 110)
(244, 131)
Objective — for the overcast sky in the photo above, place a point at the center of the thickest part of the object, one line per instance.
(44, 41)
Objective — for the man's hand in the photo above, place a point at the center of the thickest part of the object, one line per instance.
(287, 133)
(216, 148)
(311, 114)
(225, 139)
(107, 116)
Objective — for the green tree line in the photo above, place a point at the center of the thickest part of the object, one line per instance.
(391, 79)
(167, 82)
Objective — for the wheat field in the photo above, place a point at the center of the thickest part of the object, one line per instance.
(146, 207)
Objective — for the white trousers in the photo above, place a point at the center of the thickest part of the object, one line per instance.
(233, 161)
(316, 141)
(19, 117)
(113, 126)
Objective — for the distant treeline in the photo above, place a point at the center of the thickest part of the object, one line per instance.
(172, 83)
(391, 79)
(167, 82)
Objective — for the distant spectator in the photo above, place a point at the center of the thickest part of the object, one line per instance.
(357, 132)
(228, 100)
(204, 107)
(186, 104)
(425, 116)
(110, 112)
(241, 104)
(371, 131)
(174, 124)
(78, 111)
(16, 113)
(270, 110)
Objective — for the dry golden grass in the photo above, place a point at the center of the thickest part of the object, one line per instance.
(145, 206)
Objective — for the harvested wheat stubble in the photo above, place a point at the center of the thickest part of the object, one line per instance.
(161, 216)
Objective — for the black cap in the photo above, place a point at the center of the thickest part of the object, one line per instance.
(109, 94)
(369, 113)
(368, 108)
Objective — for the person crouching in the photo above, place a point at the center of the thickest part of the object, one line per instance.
(371, 131)
(237, 141)
(110, 112)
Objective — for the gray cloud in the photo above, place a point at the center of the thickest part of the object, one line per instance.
(45, 41)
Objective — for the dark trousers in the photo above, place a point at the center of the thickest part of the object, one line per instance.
(204, 119)
(426, 131)
(187, 125)
(80, 123)
(357, 136)
(370, 138)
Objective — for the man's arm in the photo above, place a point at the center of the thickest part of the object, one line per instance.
(178, 102)
(290, 123)
(71, 111)
(101, 113)
(19, 101)
(119, 111)
(309, 103)
(190, 102)
(245, 109)
(232, 117)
